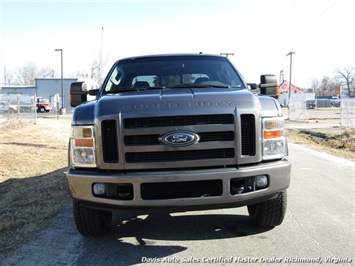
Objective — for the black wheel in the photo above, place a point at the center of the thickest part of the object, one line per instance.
(269, 213)
(42, 109)
(91, 222)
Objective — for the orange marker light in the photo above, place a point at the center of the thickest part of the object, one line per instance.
(272, 134)
(84, 142)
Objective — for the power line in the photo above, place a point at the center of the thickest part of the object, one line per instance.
(314, 20)
(284, 16)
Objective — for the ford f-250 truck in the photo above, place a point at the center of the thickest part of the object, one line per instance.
(176, 133)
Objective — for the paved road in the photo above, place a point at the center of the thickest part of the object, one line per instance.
(319, 225)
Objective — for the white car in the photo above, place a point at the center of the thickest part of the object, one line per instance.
(4, 107)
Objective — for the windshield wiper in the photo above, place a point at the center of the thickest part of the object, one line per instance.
(201, 86)
(126, 90)
(156, 88)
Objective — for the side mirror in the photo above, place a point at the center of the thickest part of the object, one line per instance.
(94, 92)
(252, 86)
(78, 93)
(269, 86)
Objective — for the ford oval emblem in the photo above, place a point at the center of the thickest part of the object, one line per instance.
(179, 138)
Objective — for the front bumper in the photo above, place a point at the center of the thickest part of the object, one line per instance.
(81, 182)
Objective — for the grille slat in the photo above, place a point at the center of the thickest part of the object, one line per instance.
(169, 121)
(248, 134)
(216, 136)
(154, 139)
(171, 156)
(109, 141)
(141, 140)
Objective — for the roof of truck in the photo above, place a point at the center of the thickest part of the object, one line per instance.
(172, 55)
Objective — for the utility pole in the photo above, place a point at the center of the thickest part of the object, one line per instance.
(281, 78)
(62, 110)
(290, 84)
(4, 75)
(226, 54)
(101, 52)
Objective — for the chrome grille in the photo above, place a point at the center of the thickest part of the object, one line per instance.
(139, 147)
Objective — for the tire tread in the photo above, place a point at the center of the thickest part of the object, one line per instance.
(91, 222)
(269, 213)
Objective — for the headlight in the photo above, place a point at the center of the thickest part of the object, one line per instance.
(82, 146)
(274, 141)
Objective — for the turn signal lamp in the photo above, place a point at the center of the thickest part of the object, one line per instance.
(82, 146)
(274, 141)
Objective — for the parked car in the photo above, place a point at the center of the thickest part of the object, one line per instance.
(4, 107)
(335, 102)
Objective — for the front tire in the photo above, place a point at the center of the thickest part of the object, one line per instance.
(269, 213)
(91, 222)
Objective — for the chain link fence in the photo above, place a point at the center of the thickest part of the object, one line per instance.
(347, 113)
(300, 110)
(17, 108)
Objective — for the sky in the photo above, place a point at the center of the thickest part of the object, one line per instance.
(259, 34)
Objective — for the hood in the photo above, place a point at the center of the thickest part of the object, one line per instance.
(166, 102)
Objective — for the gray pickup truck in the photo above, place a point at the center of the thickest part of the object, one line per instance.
(176, 133)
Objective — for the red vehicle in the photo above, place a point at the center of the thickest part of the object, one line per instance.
(42, 105)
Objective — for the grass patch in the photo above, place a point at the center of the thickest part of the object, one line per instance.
(340, 143)
(33, 187)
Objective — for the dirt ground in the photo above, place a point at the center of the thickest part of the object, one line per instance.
(322, 131)
(34, 159)
(340, 143)
(33, 187)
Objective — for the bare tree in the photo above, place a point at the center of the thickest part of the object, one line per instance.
(26, 74)
(314, 85)
(8, 76)
(327, 86)
(46, 72)
(79, 74)
(92, 72)
(95, 70)
(347, 76)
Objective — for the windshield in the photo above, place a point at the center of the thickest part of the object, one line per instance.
(172, 72)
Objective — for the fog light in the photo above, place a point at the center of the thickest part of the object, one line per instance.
(99, 189)
(261, 181)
